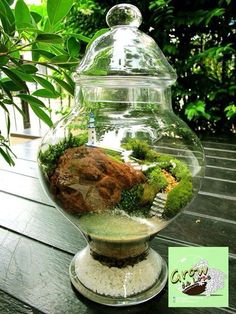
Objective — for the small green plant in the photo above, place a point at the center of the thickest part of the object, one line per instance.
(180, 170)
(178, 198)
(139, 148)
(157, 179)
(49, 158)
(130, 199)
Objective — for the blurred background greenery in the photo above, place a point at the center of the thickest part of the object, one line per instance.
(198, 38)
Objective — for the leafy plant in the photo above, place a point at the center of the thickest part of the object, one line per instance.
(22, 30)
(230, 111)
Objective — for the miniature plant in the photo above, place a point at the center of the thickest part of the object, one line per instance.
(139, 148)
(157, 179)
(130, 199)
(49, 158)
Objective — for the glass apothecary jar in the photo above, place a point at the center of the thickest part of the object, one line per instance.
(121, 166)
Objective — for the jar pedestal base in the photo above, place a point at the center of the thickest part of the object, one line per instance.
(118, 286)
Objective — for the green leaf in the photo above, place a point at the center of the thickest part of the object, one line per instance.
(15, 78)
(48, 55)
(28, 68)
(41, 114)
(7, 101)
(7, 17)
(19, 110)
(73, 46)
(81, 37)
(45, 83)
(10, 2)
(58, 9)
(2, 105)
(31, 100)
(58, 50)
(49, 38)
(7, 157)
(69, 80)
(66, 86)
(60, 59)
(3, 60)
(22, 15)
(8, 124)
(24, 76)
(36, 105)
(230, 111)
(15, 54)
(196, 109)
(45, 93)
(64, 61)
(36, 16)
(213, 13)
(7, 91)
(10, 85)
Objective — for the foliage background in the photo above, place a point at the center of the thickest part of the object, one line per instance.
(198, 38)
(37, 31)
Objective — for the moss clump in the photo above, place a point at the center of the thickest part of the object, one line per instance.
(49, 158)
(178, 198)
(157, 179)
(139, 148)
(130, 199)
(180, 170)
(149, 193)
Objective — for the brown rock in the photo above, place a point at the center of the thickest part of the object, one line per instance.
(87, 179)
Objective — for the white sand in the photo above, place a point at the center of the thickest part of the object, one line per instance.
(117, 282)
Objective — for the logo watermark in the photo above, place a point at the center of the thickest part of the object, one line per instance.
(198, 276)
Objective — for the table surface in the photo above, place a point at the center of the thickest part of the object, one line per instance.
(37, 243)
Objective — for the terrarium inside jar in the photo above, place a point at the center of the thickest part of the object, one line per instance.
(121, 165)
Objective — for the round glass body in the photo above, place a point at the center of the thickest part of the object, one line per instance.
(120, 166)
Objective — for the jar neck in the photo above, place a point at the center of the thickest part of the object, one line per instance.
(127, 95)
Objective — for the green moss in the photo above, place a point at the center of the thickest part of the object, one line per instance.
(113, 154)
(180, 170)
(178, 198)
(49, 158)
(157, 179)
(149, 193)
(130, 199)
(140, 148)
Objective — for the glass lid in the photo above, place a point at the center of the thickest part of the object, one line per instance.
(125, 51)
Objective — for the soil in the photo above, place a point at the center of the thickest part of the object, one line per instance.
(172, 182)
(88, 180)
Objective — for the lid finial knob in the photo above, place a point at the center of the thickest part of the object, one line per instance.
(124, 14)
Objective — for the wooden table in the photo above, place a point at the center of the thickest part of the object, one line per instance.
(37, 243)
